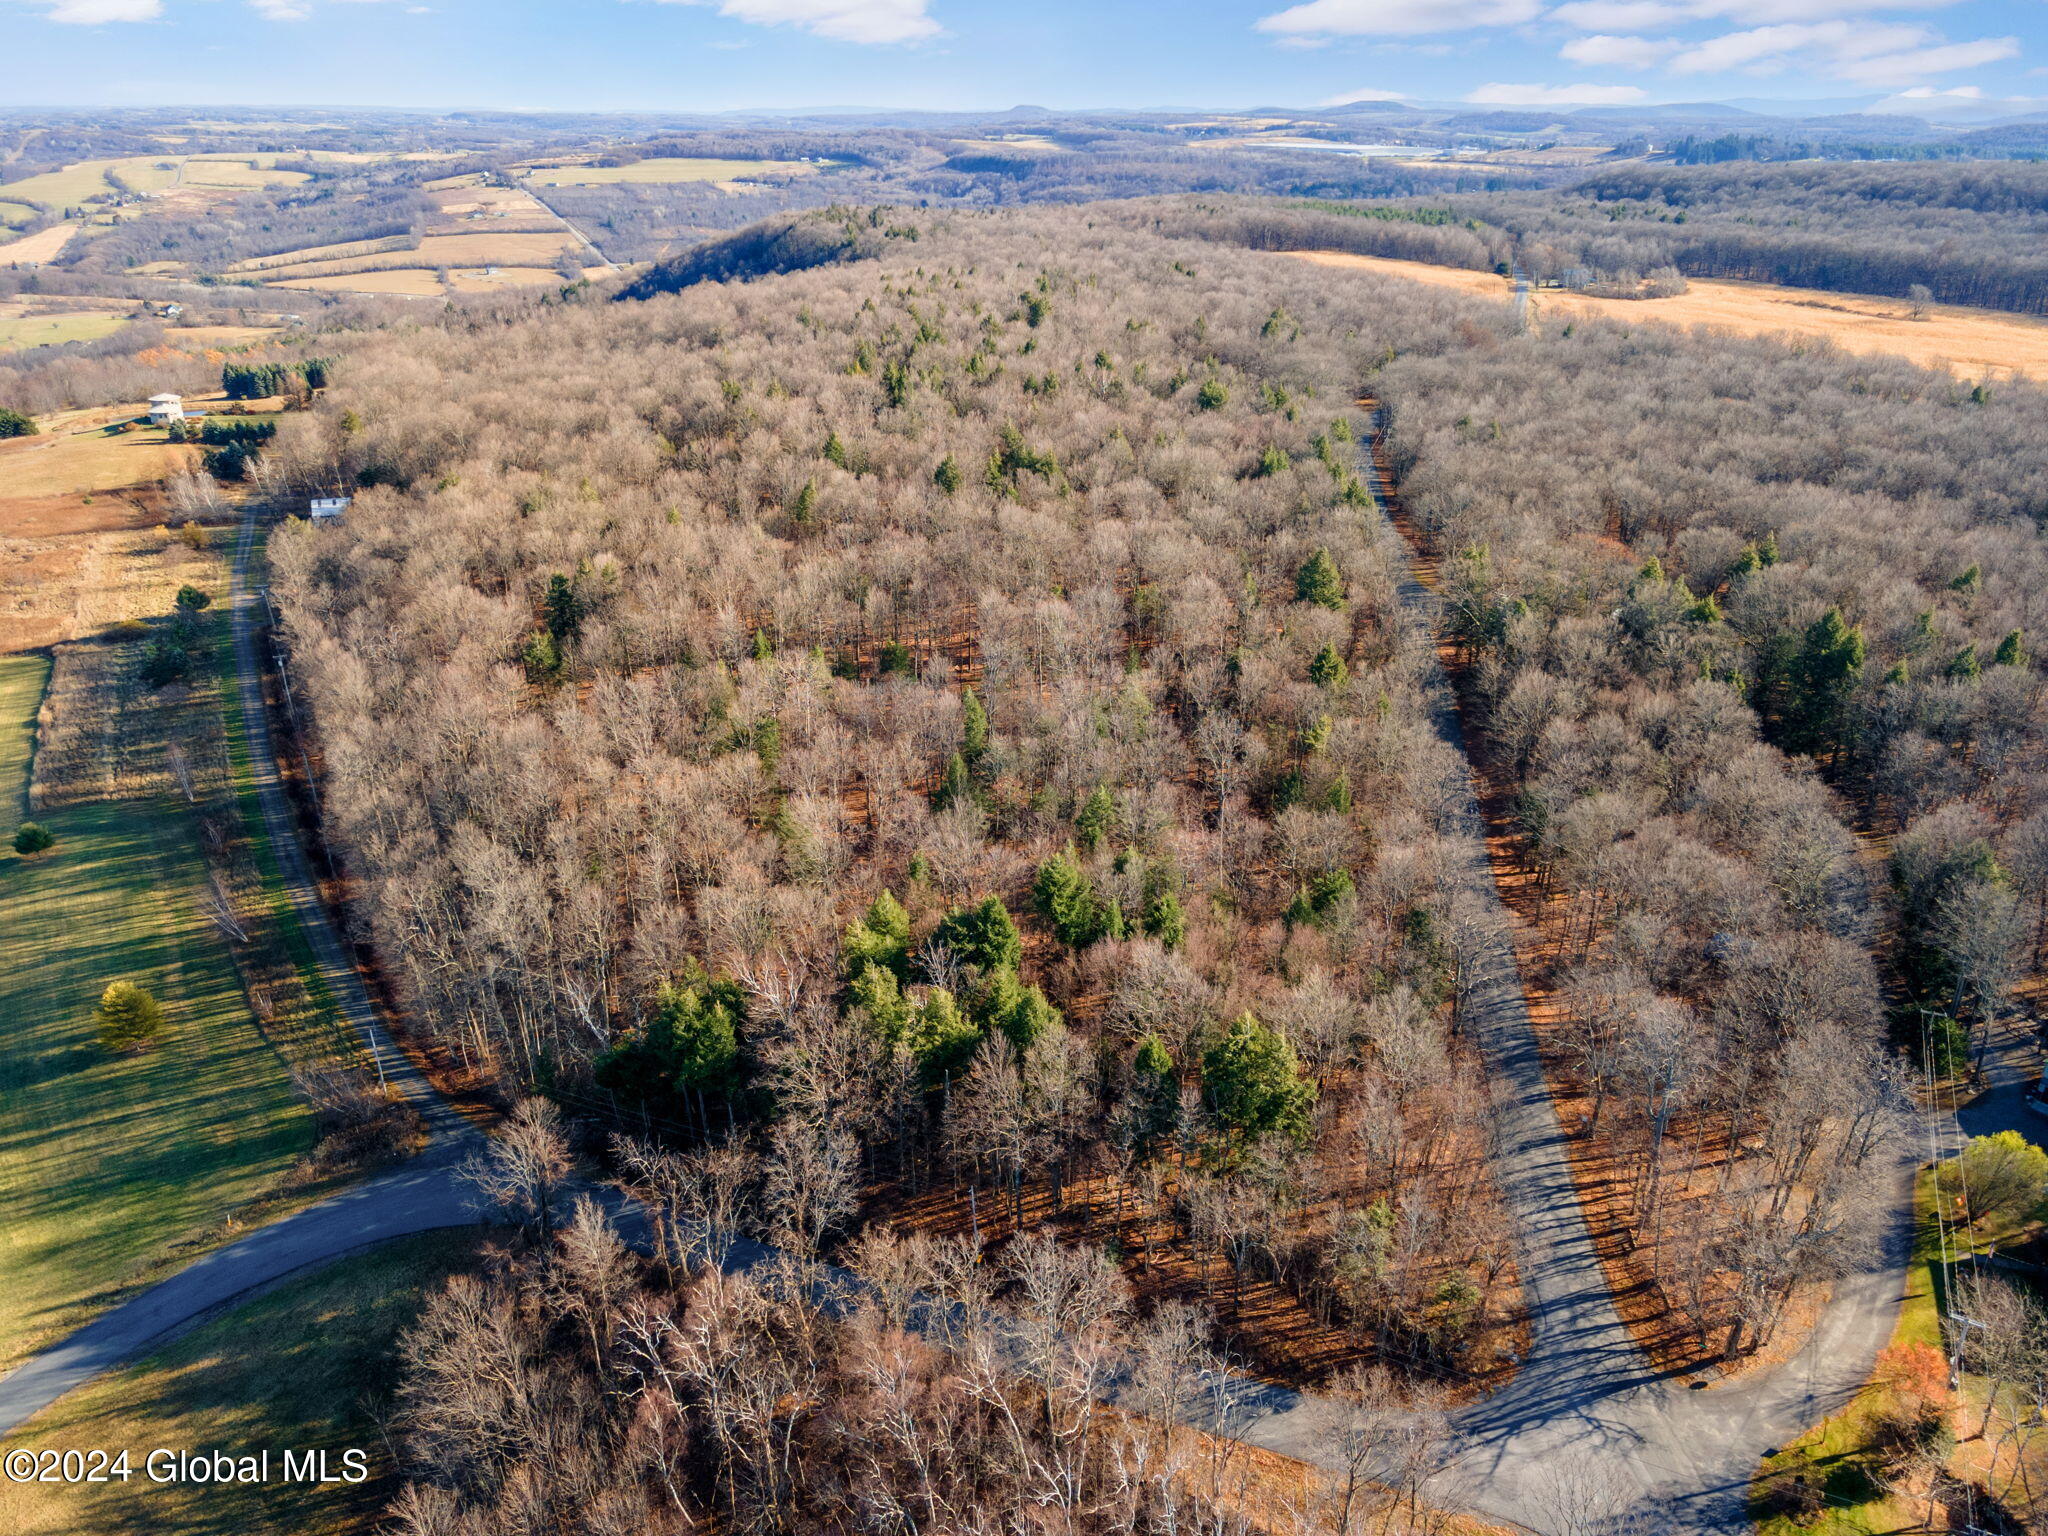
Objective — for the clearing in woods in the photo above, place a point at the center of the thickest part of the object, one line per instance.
(111, 1165)
(1973, 343)
(311, 1363)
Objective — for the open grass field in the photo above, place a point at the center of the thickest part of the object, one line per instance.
(107, 1163)
(22, 681)
(667, 169)
(1971, 343)
(307, 1364)
(237, 175)
(60, 461)
(15, 214)
(53, 330)
(43, 245)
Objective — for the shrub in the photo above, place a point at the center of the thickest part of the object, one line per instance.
(32, 838)
(1797, 1498)
(191, 599)
(15, 424)
(128, 1017)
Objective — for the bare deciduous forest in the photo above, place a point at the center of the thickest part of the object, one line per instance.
(941, 718)
(929, 735)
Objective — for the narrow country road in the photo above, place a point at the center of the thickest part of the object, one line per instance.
(337, 972)
(421, 1195)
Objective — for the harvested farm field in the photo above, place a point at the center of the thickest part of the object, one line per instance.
(410, 282)
(1968, 342)
(43, 245)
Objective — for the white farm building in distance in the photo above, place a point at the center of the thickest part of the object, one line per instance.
(328, 509)
(165, 409)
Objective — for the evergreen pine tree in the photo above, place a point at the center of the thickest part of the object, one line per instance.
(562, 609)
(2012, 650)
(1327, 669)
(954, 784)
(1319, 581)
(1097, 817)
(1253, 1083)
(948, 476)
(128, 1017)
(1823, 674)
(973, 728)
(983, 935)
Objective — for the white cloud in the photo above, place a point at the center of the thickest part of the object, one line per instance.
(1768, 47)
(1395, 18)
(1351, 98)
(1869, 53)
(1918, 63)
(299, 10)
(1500, 95)
(1619, 52)
(90, 13)
(847, 21)
(1642, 15)
(1620, 15)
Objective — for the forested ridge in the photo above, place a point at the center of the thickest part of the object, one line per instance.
(1969, 233)
(934, 727)
(941, 720)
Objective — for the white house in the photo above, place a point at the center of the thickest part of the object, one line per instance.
(165, 409)
(328, 509)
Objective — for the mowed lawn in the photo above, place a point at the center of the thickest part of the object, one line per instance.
(106, 1163)
(306, 1366)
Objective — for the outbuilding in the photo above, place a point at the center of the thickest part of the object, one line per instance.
(165, 409)
(328, 509)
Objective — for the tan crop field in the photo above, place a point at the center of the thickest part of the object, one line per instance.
(1972, 343)
(13, 215)
(471, 281)
(667, 169)
(413, 282)
(473, 199)
(306, 255)
(492, 248)
(44, 245)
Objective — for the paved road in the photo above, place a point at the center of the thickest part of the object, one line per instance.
(1586, 1400)
(422, 1195)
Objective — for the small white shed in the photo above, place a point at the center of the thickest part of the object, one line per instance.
(165, 409)
(328, 509)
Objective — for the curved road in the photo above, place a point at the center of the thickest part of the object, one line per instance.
(1585, 1406)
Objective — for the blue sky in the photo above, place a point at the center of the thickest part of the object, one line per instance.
(718, 55)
